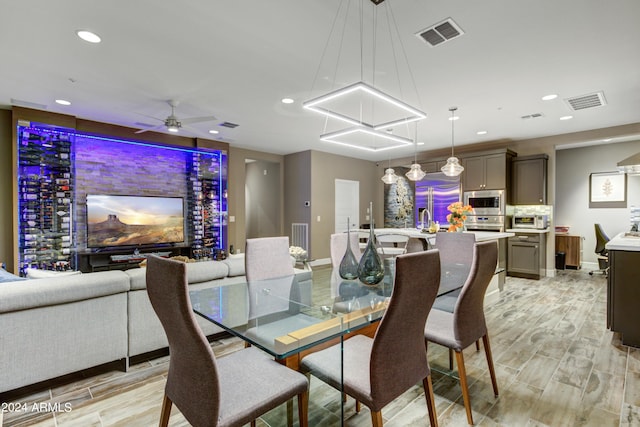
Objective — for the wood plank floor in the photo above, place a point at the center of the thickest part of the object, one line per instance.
(556, 364)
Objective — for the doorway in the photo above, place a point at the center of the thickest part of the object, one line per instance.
(347, 204)
(262, 198)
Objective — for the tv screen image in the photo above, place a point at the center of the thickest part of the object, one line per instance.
(134, 220)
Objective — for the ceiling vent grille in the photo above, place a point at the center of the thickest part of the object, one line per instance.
(590, 100)
(440, 32)
(229, 125)
(531, 116)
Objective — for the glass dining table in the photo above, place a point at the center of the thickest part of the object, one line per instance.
(268, 314)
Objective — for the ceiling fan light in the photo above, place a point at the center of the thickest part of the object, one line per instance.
(452, 168)
(172, 128)
(389, 176)
(415, 173)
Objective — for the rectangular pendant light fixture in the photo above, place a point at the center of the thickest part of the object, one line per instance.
(359, 137)
(336, 104)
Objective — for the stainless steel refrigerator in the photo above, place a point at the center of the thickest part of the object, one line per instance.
(434, 193)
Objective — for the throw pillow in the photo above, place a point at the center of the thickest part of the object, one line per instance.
(5, 276)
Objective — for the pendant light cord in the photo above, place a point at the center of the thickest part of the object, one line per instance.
(452, 109)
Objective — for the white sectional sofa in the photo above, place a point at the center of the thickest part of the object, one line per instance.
(59, 325)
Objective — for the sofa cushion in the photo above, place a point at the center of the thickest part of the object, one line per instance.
(33, 293)
(36, 273)
(236, 266)
(197, 272)
(206, 270)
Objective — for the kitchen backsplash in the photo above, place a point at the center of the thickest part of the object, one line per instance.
(533, 210)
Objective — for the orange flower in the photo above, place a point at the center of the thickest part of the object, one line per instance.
(458, 215)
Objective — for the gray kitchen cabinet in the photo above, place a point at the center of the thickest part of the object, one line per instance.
(529, 180)
(623, 295)
(486, 172)
(433, 166)
(526, 255)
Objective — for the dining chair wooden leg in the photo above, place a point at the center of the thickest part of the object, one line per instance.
(303, 409)
(165, 412)
(477, 345)
(462, 373)
(253, 423)
(492, 371)
(358, 407)
(376, 418)
(450, 360)
(431, 403)
(289, 413)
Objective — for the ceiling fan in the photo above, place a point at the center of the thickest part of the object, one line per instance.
(172, 123)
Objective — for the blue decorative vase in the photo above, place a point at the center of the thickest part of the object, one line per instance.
(348, 268)
(370, 269)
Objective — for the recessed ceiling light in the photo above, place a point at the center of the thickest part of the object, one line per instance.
(566, 117)
(213, 131)
(62, 102)
(420, 143)
(454, 118)
(88, 36)
(549, 97)
(481, 132)
(287, 101)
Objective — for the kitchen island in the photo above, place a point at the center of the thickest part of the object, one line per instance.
(623, 287)
(497, 283)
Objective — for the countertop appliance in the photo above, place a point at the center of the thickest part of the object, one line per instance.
(486, 202)
(488, 212)
(434, 193)
(531, 221)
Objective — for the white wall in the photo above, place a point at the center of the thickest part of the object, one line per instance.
(573, 167)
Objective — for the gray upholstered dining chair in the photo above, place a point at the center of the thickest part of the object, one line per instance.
(378, 370)
(456, 251)
(466, 325)
(230, 391)
(267, 258)
(276, 300)
(455, 247)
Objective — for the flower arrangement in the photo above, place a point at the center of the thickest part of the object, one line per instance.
(458, 215)
(298, 253)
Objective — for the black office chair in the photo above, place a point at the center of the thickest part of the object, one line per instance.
(603, 254)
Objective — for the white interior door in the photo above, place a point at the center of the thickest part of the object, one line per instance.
(347, 204)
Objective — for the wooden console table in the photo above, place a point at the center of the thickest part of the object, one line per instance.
(571, 245)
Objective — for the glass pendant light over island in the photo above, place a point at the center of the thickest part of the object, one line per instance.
(453, 167)
(415, 173)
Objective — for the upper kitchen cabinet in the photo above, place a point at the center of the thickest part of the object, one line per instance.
(529, 180)
(433, 166)
(489, 171)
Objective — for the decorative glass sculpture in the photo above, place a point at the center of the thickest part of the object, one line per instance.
(348, 269)
(370, 269)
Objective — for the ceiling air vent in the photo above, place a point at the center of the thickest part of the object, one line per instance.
(440, 32)
(531, 116)
(586, 101)
(229, 125)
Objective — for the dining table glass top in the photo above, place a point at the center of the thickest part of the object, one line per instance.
(269, 315)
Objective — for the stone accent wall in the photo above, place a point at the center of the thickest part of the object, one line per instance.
(104, 166)
(398, 202)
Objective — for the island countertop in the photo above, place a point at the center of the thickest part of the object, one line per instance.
(413, 232)
(624, 243)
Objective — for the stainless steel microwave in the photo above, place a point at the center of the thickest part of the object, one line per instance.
(485, 202)
(539, 222)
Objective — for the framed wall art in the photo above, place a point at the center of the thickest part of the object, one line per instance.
(608, 190)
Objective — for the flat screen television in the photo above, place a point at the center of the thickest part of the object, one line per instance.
(114, 221)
